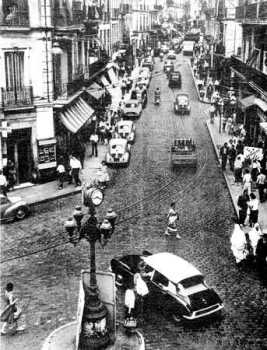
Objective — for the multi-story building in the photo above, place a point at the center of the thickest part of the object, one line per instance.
(50, 54)
(249, 68)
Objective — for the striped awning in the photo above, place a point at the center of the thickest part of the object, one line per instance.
(75, 116)
(96, 91)
(105, 82)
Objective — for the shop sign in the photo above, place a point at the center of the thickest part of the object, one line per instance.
(253, 153)
(47, 154)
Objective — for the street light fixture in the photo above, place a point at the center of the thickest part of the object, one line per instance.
(94, 332)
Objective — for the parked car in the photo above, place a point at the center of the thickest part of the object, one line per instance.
(168, 66)
(13, 208)
(172, 282)
(148, 63)
(132, 109)
(171, 55)
(144, 81)
(175, 79)
(181, 104)
(118, 152)
(126, 130)
(145, 72)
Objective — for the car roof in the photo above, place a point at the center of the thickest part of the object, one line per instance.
(125, 122)
(131, 101)
(117, 141)
(171, 266)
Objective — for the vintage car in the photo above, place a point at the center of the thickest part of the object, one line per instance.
(126, 130)
(183, 152)
(171, 55)
(132, 109)
(168, 66)
(181, 104)
(173, 283)
(13, 208)
(118, 152)
(147, 62)
(143, 81)
(175, 79)
(145, 72)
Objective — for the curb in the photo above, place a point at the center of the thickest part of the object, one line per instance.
(224, 175)
(202, 101)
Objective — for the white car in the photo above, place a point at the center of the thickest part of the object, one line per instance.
(118, 152)
(144, 81)
(132, 109)
(126, 130)
(145, 72)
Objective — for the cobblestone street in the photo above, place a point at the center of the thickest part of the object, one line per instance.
(47, 281)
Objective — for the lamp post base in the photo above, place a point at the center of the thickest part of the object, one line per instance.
(64, 338)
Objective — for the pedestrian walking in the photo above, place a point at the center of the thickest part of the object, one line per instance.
(172, 218)
(261, 257)
(261, 184)
(11, 313)
(242, 204)
(129, 303)
(224, 155)
(94, 141)
(238, 165)
(60, 173)
(11, 175)
(232, 156)
(255, 171)
(141, 292)
(239, 147)
(75, 166)
(247, 181)
(254, 237)
(3, 183)
(253, 205)
(239, 244)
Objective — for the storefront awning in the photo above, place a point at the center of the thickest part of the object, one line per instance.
(252, 100)
(105, 82)
(75, 116)
(96, 91)
(263, 127)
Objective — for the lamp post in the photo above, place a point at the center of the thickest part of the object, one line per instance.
(94, 332)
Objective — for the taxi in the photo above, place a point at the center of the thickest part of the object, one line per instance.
(172, 282)
(118, 152)
(126, 130)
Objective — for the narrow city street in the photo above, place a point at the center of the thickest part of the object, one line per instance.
(45, 268)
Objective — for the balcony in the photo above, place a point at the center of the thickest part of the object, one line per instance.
(253, 13)
(13, 99)
(250, 73)
(15, 18)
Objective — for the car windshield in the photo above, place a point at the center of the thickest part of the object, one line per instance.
(124, 128)
(130, 105)
(117, 148)
(192, 281)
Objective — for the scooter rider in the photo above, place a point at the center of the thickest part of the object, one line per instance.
(157, 95)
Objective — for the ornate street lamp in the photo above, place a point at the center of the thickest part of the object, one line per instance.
(94, 332)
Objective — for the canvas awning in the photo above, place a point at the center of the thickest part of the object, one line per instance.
(112, 76)
(96, 91)
(263, 127)
(75, 116)
(252, 100)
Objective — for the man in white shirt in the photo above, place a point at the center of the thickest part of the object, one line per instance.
(247, 181)
(261, 183)
(3, 183)
(254, 210)
(61, 174)
(94, 142)
(75, 166)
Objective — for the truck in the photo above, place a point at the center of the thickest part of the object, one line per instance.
(188, 47)
(183, 152)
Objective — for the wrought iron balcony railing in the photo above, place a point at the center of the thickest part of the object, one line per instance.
(17, 98)
(15, 18)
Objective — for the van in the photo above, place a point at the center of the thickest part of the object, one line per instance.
(188, 47)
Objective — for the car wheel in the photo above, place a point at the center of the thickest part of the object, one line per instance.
(21, 213)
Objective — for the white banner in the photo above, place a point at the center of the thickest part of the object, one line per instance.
(253, 153)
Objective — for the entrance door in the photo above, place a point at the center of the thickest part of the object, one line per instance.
(19, 150)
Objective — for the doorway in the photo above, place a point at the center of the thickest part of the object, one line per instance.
(19, 150)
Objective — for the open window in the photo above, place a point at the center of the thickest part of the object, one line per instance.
(159, 279)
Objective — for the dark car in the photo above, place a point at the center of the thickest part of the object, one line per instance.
(12, 208)
(181, 104)
(172, 282)
(175, 79)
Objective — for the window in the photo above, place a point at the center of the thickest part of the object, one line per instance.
(158, 278)
(14, 64)
(4, 200)
(15, 13)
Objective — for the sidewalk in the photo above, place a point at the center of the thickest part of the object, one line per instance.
(48, 191)
(235, 190)
(204, 100)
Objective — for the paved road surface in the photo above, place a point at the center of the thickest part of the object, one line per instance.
(141, 194)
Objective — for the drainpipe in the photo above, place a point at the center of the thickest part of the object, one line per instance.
(46, 53)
